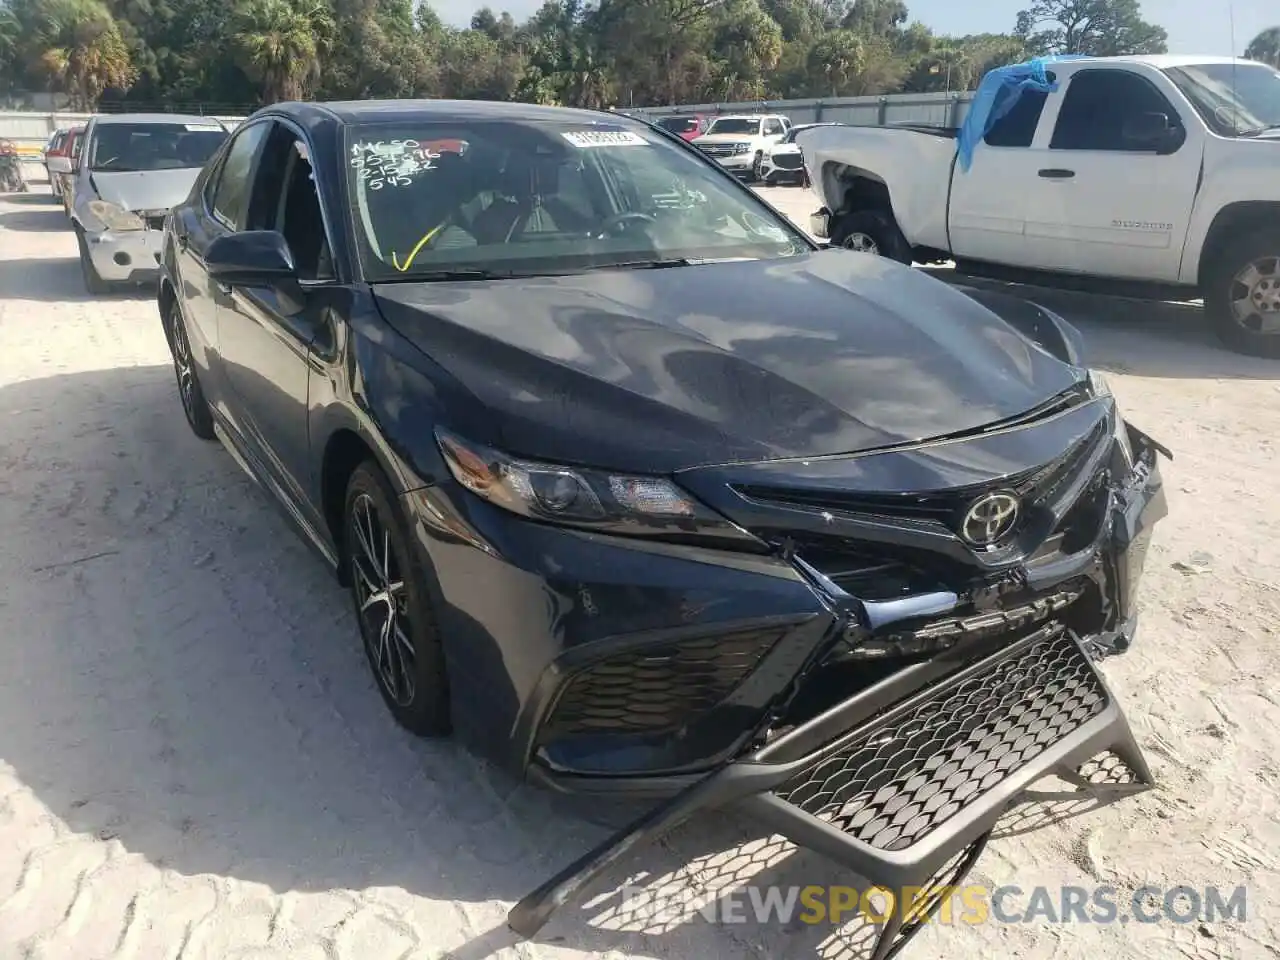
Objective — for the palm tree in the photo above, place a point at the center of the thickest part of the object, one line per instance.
(282, 43)
(1265, 47)
(82, 52)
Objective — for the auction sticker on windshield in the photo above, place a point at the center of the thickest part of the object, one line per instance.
(194, 127)
(605, 138)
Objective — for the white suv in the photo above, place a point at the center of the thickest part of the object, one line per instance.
(739, 142)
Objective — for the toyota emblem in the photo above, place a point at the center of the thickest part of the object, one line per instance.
(990, 519)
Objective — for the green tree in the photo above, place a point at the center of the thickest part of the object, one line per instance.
(1102, 28)
(75, 47)
(836, 62)
(382, 53)
(1265, 47)
(282, 44)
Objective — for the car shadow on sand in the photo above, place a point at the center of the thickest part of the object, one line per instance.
(50, 219)
(58, 280)
(178, 673)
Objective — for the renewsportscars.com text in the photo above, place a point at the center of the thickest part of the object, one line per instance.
(967, 904)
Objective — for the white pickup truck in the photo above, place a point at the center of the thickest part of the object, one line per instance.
(1152, 176)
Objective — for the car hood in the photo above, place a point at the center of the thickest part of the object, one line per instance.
(725, 137)
(145, 189)
(657, 370)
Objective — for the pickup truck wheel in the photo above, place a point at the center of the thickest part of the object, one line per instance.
(1242, 296)
(871, 231)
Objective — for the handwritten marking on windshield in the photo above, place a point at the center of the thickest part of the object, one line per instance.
(408, 261)
(391, 163)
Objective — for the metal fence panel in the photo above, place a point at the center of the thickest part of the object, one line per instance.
(946, 109)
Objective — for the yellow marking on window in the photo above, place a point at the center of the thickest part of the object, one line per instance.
(408, 261)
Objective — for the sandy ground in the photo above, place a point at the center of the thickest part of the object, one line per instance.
(194, 762)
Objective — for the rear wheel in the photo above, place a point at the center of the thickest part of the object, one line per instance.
(871, 231)
(390, 591)
(1242, 294)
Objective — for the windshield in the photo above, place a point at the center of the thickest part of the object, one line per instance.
(129, 147)
(679, 124)
(521, 198)
(1233, 99)
(735, 125)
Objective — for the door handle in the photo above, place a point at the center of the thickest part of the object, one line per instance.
(1055, 173)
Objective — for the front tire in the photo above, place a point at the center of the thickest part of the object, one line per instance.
(1242, 294)
(93, 281)
(871, 231)
(194, 405)
(757, 167)
(391, 594)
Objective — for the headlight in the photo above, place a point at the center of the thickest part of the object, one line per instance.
(114, 217)
(573, 496)
(742, 148)
(1100, 388)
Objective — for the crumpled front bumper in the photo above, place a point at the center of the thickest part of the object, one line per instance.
(126, 255)
(904, 781)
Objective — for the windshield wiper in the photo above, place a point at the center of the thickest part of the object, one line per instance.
(1259, 131)
(444, 276)
(650, 264)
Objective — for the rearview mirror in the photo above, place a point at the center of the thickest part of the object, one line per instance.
(251, 258)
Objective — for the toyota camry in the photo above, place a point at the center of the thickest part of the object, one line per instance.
(639, 490)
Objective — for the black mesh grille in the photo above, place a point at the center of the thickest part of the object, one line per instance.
(155, 223)
(921, 765)
(787, 161)
(657, 688)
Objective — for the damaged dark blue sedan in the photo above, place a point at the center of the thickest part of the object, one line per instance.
(641, 491)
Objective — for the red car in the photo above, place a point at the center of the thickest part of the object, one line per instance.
(685, 126)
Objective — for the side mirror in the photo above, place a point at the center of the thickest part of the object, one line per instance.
(257, 258)
(1154, 131)
(251, 258)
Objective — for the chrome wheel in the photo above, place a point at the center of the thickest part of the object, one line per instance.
(861, 243)
(381, 602)
(1255, 296)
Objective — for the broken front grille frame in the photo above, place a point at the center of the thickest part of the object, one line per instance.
(761, 780)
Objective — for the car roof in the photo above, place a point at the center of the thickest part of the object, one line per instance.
(379, 111)
(110, 119)
(1161, 61)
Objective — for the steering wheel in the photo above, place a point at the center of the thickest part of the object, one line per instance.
(620, 220)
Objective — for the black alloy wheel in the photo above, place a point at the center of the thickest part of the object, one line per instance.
(390, 593)
(194, 405)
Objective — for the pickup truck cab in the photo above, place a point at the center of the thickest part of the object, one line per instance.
(739, 142)
(1159, 170)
